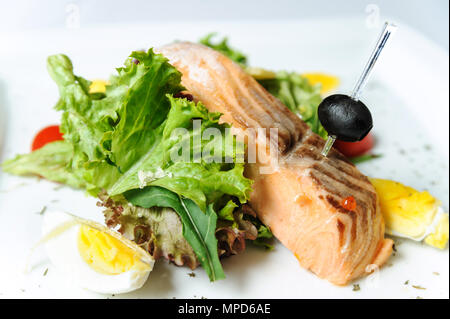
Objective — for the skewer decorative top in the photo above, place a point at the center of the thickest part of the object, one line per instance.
(346, 117)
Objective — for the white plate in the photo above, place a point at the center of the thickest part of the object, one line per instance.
(408, 96)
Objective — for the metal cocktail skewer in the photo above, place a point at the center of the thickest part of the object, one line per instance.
(388, 29)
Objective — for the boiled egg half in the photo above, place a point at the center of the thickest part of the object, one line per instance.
(93, 256)
(411, 213)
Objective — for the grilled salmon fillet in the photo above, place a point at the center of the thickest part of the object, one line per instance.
(298, 193)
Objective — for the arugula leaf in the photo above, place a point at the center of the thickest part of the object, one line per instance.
(51, 162)
(223, 47)
(364, 158)
(198, 227)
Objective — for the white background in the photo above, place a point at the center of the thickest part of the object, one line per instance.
(427, 16)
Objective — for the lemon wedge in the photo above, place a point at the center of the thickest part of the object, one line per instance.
(439, 237)
(412, 214)
(260, 73)
(328, 82)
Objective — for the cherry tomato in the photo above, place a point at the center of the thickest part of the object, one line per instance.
(352, 149)
(46, 135)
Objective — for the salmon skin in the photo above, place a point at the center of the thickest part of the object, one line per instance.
(302, 197)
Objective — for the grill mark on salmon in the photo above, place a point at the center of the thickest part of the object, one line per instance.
(300, 199)
(358, 193)
(253, 115)
(305, 152)
(313, 140)
(348, 168)
(342, 164)
(342, 229)
(337, 205)
(342, 180)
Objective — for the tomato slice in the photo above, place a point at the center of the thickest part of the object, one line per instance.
(46, 135)
(352, 149)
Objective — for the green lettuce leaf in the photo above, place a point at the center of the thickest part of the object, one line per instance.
(51, 162)
(84, 119)
(198, 227)
(144, 108)
(226, 213)
(264, 237)
(153, 164)
(223, 47)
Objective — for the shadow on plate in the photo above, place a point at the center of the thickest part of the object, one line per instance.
(240, 266)
(159, 282)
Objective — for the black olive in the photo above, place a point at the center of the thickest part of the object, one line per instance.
(345, 118)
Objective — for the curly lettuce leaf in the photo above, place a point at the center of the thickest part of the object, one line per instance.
(226, 212)
(198, 227)
(51, 162)
(144, 109)
(153, 164)
(129, 131)
(84, 119)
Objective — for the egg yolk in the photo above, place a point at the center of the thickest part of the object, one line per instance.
(98, 86)
(104, 253)
(328, 82)
(405, 209)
